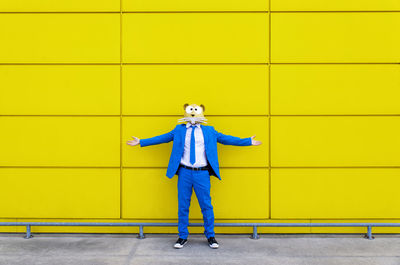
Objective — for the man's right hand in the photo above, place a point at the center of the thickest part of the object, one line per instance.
(133, 142)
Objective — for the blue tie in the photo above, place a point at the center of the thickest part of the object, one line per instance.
(192, 146)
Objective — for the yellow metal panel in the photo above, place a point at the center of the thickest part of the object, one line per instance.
(59, 141)
(197, 5)
(229, 156)
(195, 38)
(290, 194)
(335, 193)
(60, 193)
(147, 193)
(59, 90)
(335, 89)
(335, 141)
(337, 5)
(223, 89)
(59, 5)
(335, 37)
(60, 38)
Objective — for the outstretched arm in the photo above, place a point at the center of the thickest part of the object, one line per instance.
(159, 139)
(233, 140)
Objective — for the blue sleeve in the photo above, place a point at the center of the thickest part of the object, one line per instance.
(159, 139)
(232, 140)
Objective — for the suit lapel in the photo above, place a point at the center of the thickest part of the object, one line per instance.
(183, 134)
(205, 133)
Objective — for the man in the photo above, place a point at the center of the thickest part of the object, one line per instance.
(194, 159)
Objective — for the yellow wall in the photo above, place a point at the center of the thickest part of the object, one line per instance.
(318, 84)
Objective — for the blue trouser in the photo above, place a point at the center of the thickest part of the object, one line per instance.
(200, 181)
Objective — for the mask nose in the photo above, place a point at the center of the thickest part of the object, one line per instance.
(192, 115)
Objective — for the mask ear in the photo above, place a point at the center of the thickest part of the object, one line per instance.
(184, 106)
(202, 106)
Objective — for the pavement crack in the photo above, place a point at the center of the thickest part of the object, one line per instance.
(132, 253)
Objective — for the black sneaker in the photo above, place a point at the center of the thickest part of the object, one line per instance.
(180, 242)
(212, 242)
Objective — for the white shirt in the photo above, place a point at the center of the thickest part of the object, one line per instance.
(201, 159)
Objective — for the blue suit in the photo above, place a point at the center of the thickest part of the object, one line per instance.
(189, 179)
(211, 137)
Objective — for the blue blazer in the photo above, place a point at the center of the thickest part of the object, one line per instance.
(211, 137)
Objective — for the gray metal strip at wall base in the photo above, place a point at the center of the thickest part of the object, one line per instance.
(254, 225)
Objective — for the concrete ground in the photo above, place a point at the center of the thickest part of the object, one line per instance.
(124, 249)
